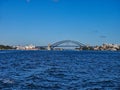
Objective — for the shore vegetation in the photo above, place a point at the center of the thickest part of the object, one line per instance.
(4, 47)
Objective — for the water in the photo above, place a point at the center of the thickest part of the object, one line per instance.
(59, 70)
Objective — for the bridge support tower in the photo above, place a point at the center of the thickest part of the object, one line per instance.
(49, 47)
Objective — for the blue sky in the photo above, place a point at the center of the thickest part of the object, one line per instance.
(41, 22)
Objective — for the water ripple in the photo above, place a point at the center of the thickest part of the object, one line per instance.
(59, 70)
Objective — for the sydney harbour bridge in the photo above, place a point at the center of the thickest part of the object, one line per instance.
(63, 44)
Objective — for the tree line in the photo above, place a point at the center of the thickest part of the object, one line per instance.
(3, 47)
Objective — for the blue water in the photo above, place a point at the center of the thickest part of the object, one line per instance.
(59, 70)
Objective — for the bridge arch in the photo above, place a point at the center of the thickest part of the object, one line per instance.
(78, 44)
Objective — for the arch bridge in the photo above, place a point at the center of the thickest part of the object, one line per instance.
(66, 43)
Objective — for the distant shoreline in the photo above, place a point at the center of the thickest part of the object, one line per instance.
(104, 47)
(53, 50)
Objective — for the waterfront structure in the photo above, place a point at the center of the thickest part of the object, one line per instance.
(65, 43)
(112, 47)
(49, 47)
(29, 47)
(20, 47)
(60, 45)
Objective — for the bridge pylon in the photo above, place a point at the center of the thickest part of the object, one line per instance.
(49, 47)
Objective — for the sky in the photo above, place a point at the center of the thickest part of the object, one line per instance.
(39, 22)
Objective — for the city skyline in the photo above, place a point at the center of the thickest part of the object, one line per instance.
(41, 22)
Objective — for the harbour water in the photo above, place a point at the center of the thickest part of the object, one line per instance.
(59, 70)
